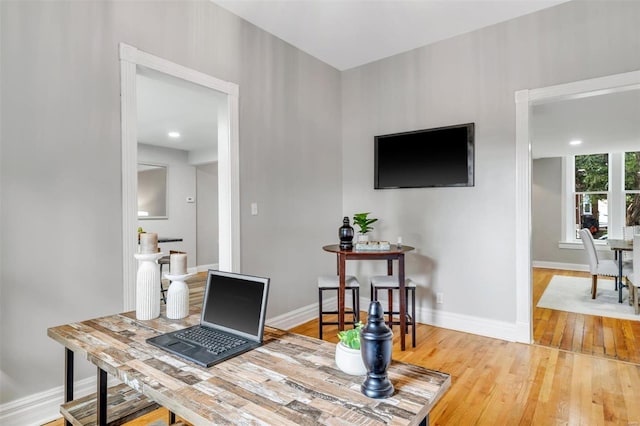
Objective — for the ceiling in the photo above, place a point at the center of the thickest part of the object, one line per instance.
(604, 123)
(349, 33)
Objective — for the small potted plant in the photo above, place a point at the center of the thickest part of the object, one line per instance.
(362, 221)
(348, 356)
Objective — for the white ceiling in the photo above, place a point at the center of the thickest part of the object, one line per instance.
(604, 123)
(350, 33)
(166, 104)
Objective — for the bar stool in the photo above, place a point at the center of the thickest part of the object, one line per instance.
(332, 283)
(390, 283)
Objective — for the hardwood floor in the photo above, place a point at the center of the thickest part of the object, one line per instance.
(587, 334)
(576, 378)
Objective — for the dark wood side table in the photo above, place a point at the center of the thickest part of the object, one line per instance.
(394, 253)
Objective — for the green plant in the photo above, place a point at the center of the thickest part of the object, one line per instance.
(363, 222)
(351, 338)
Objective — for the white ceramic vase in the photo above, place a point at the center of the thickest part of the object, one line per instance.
(147, 286)
(350, 360)
(178, 296)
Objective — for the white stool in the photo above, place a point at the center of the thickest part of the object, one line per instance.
(332, 283)
(390, 283)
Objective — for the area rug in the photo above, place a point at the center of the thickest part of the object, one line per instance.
(573, 294)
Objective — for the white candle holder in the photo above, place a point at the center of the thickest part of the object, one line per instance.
(147, 286)
(178, 296)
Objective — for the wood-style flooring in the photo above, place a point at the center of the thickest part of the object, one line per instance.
(495, 382)
(587, 334)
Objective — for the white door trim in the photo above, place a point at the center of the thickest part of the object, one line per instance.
(524, 99)
(228, 163)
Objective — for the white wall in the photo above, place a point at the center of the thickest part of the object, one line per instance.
(464, 237)
(61, 162)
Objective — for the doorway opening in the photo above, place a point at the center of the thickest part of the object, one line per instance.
(132, 61)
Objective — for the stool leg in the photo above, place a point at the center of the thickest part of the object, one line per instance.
(413, 317)
(320, 313)
(390, 293)
(356, 304)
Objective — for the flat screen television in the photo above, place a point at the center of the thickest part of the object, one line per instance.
(442, 156)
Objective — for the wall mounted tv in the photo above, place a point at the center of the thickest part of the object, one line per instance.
(442, 156)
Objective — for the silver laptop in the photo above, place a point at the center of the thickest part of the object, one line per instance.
(232, 320)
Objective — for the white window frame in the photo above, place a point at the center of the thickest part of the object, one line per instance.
(615, 197)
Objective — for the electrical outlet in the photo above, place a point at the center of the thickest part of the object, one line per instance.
(254, 209)
(439, 297)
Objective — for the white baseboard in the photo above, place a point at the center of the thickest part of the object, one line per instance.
(41, 407)
(205, 268)
(561, 266)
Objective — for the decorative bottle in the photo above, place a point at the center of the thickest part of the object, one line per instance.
(346, 235)
(376, 345)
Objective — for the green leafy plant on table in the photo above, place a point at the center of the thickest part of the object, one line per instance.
(351, 338)
(363, 221)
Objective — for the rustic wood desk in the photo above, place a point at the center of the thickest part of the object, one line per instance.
(291, 379)
(394, 253)
(620, 246)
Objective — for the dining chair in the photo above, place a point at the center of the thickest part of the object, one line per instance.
(332, 283)
(634, 278)
(390, 284)
(605, 267)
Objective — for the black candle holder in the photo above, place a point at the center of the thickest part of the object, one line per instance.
(376, 346)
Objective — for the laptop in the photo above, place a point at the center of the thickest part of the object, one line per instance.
(231, 323)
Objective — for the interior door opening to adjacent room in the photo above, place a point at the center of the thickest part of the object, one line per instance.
(221, 99)
(527, 148)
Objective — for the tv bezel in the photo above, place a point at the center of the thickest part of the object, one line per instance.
(470, 156)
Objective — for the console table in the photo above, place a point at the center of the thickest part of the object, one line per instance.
(291, 379)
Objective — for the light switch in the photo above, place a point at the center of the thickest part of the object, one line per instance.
(254, 209)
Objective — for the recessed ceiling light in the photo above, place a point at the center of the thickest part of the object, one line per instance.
(575, 142)
(174, 134)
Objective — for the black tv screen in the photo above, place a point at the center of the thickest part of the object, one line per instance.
(442, 156)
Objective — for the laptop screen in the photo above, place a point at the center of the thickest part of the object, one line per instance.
(235, 303)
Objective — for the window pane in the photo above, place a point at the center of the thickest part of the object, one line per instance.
(631, 170)
(632, 216)
(592, 172)
(592, 212)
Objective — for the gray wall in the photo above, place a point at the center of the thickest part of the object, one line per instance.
(181, 216)
(61, 165)
(464, 237)
(207, 214)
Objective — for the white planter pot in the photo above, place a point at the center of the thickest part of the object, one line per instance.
(362, 238)
(350, 360)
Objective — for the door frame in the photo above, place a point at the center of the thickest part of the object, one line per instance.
(228, 163)
(524, 100)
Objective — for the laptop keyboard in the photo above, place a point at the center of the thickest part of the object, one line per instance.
(213, 341)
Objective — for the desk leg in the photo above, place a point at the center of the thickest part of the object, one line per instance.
(425, 421)
(68, 378)
(102, 397)
(342, 267)
(620, 277)
(402, 301)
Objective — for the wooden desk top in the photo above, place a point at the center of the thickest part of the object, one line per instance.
(291, 379)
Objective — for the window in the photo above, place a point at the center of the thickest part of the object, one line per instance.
(591, 194)
(632, 188)
(604, 194)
